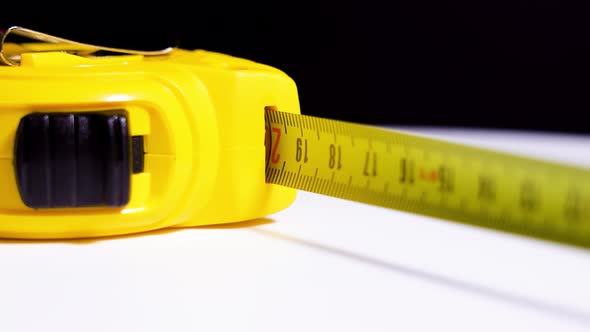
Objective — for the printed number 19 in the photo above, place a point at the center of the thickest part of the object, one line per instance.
(301, 151)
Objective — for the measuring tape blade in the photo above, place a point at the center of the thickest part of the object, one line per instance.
(429, 176)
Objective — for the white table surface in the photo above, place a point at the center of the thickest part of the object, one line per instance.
(324, 264)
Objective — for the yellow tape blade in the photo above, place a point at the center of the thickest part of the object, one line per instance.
(431, 177)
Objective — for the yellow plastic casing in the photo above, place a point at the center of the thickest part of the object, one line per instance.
(202, 117)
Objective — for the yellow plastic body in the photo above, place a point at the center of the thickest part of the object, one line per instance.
(202, 117)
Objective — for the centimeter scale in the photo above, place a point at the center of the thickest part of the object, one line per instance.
(428, 176)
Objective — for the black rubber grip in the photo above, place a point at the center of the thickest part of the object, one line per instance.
(73, 160)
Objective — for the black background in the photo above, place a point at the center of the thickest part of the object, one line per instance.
(518, 65)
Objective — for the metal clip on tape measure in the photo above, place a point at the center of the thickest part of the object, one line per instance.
(95, 146)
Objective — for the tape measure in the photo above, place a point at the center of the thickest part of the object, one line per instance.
(428, 176)
(94, 145)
